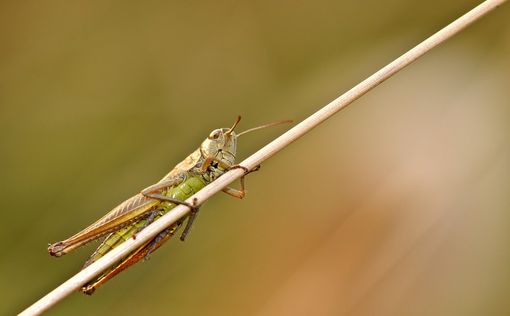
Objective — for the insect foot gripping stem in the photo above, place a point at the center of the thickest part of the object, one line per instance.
(240, 194)
(246, 170)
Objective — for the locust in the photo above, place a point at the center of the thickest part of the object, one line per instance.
(215, 155)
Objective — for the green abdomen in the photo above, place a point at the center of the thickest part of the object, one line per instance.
(183, 191)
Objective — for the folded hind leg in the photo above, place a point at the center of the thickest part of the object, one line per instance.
(141, 253)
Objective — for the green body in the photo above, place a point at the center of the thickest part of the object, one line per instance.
(191, 185)
(215, 156)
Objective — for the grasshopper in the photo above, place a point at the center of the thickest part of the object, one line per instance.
(215, 156)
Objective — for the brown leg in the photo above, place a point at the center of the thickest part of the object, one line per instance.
(149, 220)
(134, 257)
(206, 164)
(239, 193)
(162, 197)
(191, 218)
(234, 192)
(246, 170)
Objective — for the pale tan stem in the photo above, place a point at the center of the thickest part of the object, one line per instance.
(257, 158)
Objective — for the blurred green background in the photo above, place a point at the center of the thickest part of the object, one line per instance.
(398, 205)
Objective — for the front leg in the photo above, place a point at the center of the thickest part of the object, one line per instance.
(235, 192)
(239, 193)
(208, 161)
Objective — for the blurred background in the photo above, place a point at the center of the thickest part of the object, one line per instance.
(398, 205)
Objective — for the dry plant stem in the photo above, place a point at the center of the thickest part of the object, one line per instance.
(256, 159)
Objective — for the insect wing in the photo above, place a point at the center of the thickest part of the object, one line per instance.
(125, 213)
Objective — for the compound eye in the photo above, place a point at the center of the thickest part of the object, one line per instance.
(215, 134)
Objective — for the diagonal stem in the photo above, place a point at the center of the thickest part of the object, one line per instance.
(257, 158)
